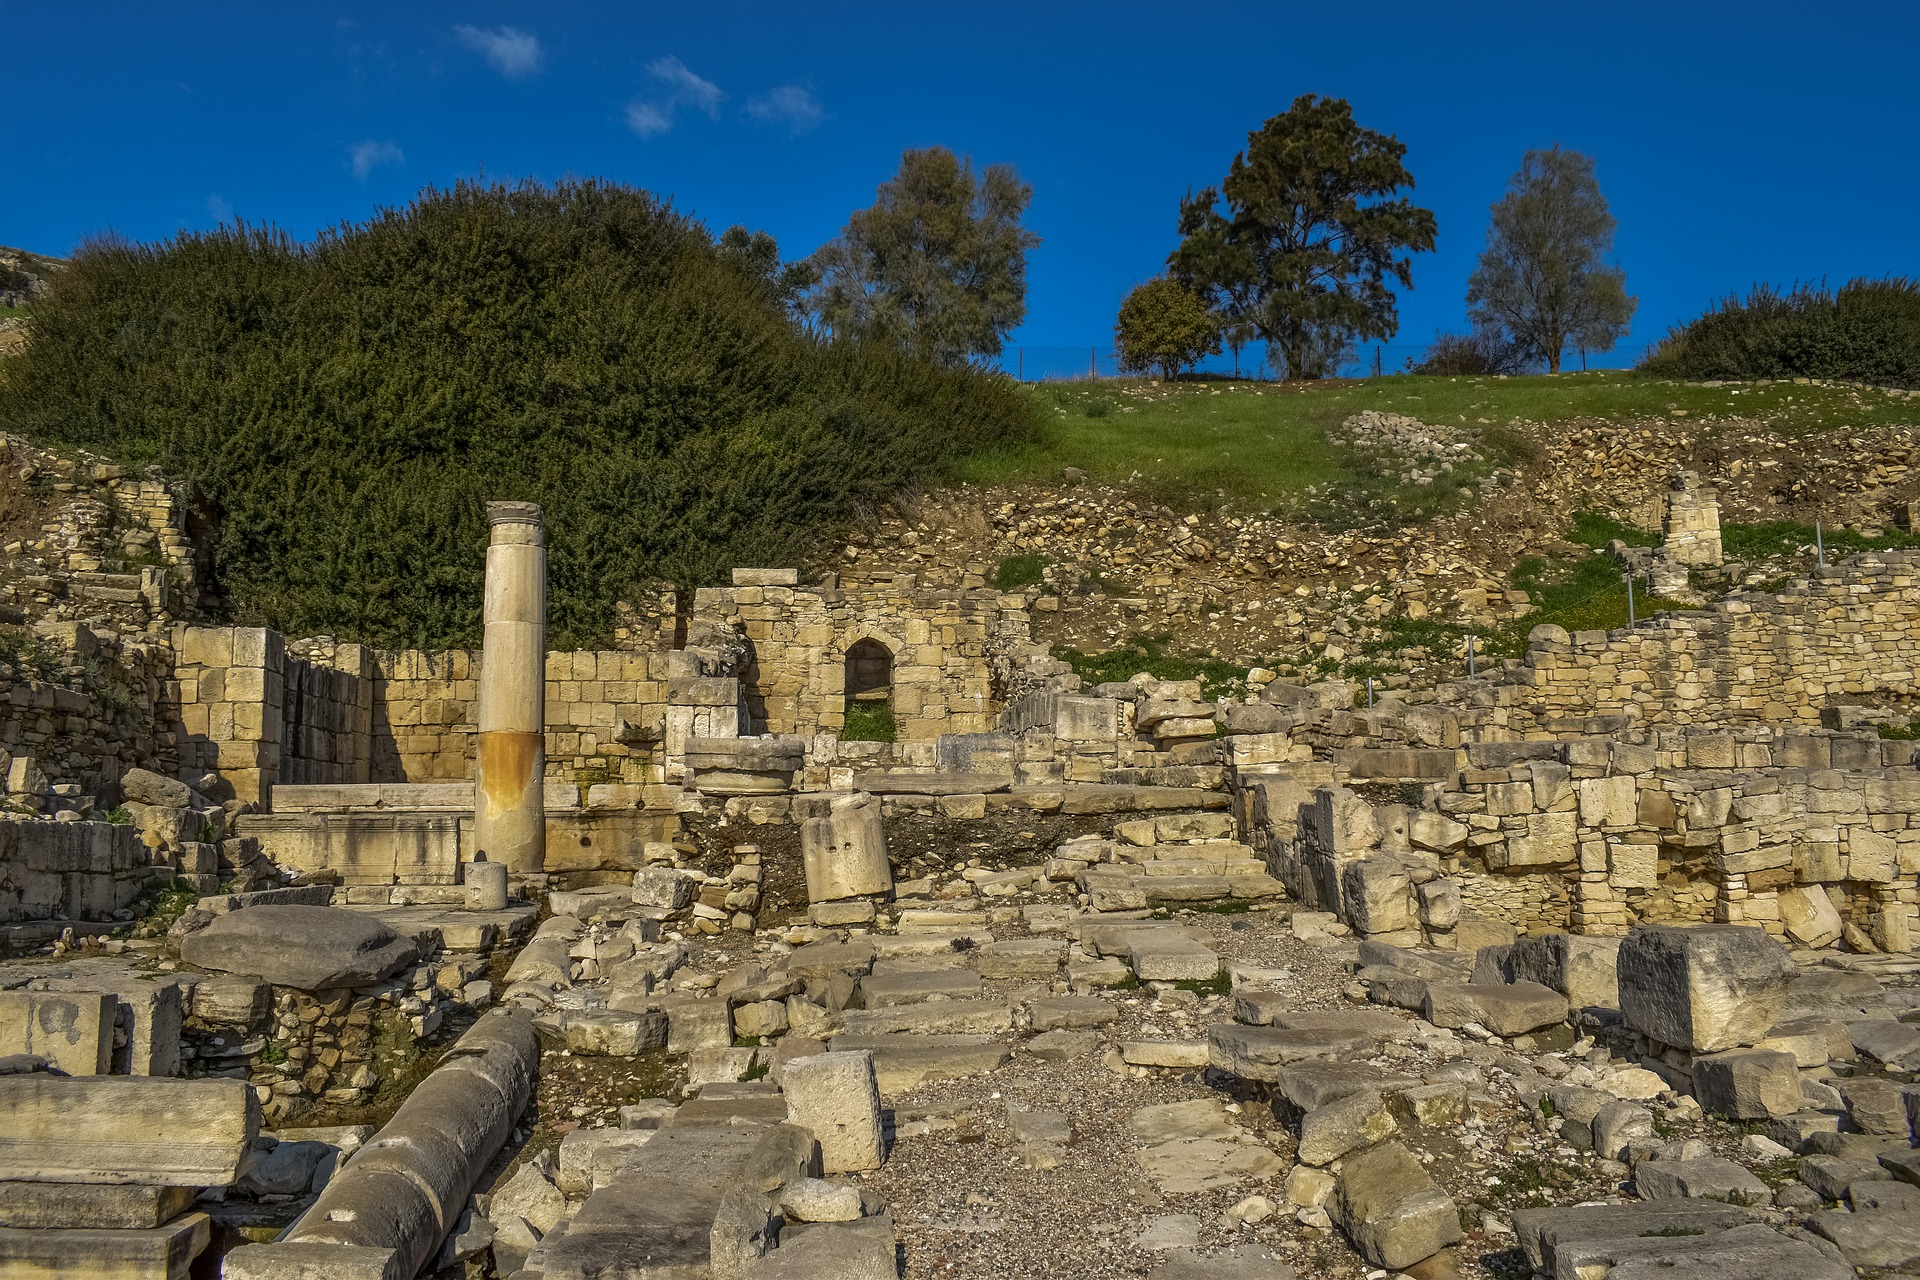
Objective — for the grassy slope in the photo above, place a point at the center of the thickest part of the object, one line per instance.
(1258, 444)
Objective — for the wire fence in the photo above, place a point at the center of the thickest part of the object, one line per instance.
(1070, 364)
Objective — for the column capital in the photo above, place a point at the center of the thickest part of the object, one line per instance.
(499, 513)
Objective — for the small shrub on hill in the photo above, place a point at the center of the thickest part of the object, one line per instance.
(343, 409)
(1470, 355)
(1867, 331)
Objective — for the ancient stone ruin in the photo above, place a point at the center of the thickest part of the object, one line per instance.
(330, 961)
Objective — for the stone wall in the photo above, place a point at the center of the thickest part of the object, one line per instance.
(98, 713)
(1808, 834)
(406, 842)
(1847, 634)
(71, 870)
(605, 712)
(944, 645)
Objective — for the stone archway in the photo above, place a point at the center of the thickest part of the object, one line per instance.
(869, 690)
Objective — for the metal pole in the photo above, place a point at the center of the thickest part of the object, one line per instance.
(1630, 619)
(1819, 544)
(1471, 672)
(1369, 693)
(1093, 359)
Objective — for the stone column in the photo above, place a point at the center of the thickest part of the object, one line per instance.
(509, 818)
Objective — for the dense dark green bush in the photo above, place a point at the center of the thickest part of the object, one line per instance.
(1868, 331)
(343, 409)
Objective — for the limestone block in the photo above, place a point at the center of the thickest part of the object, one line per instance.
(312, 948)
(1377, 894)
(157, 1253)
(1704, 988)
(308, 1260)
(1809, 916)
(72, 1030)
(1161, 956)
(664, 887)
(1391, 1208)
(1344, 1125)
(1871, 856)
(834, 1095)
(1439, 903)
(1506, 1009)
(845, 851)
(1748, 1084)
(1342, 822)
(1708, 1178)
(1435, 832)
(1584, 969)
(78, 1206)
(114, 1129)
(1551, 839)
(1608, 802)
(862, 1249)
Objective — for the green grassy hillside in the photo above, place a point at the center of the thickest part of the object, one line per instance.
(1260, 445)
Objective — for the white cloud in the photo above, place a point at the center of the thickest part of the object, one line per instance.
(512, 52)
(685, 86)
(652, 117)
(791, 105)
(364, 157)
(649, 120)
(222, 211)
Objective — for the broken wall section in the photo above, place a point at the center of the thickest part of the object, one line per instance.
(1810, 835)
(1845, 634)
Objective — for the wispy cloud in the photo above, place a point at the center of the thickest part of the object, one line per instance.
(651, 117)
(792, 106)
(217, 206)
(512, 52)
(364, 157)
(649, 120)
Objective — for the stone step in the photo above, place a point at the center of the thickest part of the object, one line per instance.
(157, 1253)
(1543, 1231)
(929, 941)
(891, 990)
(902, 1062)
(1260, 1053)
(935, 1017)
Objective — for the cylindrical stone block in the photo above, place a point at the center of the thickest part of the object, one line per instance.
(509, 819)
(405, 1189)
(845, 852)
(486, 886)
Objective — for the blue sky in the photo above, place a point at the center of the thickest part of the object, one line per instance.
(1736, 141)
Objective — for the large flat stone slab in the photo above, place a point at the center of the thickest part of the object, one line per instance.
(1872, 1238)
(158, 1253)
(112, 1129)
(1541, 1231)
(312, 948)
(1750, 1252)
(1259, 1053)
(903, 1062)
(45, 1206)
(890, 990)
(935, 1017)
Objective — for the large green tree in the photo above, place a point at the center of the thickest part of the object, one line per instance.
(938, 265)
(1543, 279)
(344, 408)
(1163, 325)
(1301, 238)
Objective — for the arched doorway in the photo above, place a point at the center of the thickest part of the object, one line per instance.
(869, 691)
